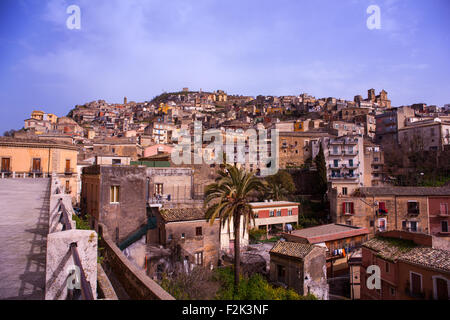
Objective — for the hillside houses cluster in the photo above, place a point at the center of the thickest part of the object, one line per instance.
(121, 173)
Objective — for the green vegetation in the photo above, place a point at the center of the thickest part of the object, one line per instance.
(229, 199)
(279, 186)
(203, 284)
(401, 244)
(321, 171)
(254, 287)
(256, 234)
(83, 224)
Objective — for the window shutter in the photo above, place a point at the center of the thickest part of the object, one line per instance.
(352, 208)
(343, 207)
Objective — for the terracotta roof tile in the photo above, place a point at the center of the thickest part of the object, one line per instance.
(292, 249)
(184, 214)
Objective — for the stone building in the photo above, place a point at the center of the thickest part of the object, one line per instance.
(296, 147)
(188, 234)
(301, 267)
(411, 268)
(389, 123)
(392, 208)
(430, 134)
(121, 196)
(339, 240)
(126, 147)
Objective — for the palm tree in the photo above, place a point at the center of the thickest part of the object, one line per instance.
(228, 200)
(276, 191)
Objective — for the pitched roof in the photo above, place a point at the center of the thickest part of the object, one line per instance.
(389, 248)
(184, 214)
(292, 249)
(329, 232)
(406, 191)
(429, 257)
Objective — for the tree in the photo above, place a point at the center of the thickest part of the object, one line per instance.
(9, 133)
(284, 179)
(228, 200)
(276, 191)
(321, 166)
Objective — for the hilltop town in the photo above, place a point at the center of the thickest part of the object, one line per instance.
(356, 183)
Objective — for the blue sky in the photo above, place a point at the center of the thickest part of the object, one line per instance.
(138, 48)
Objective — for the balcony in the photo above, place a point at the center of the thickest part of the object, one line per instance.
(336, 153)
(335, 142)
(350, 166)
(343, 176)
(351, 141)
(350, 153)
(68, 172)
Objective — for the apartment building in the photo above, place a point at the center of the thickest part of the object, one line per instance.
(389, 123)
(274, 215)
(344, 157)
(374, 172)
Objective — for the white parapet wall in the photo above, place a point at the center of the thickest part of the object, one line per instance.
(62, 273)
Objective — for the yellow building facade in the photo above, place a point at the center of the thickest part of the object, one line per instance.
(32, 159)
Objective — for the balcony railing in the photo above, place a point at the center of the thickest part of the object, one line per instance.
(343, 176)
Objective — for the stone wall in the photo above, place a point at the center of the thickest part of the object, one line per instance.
(134, 281)
(60, 261)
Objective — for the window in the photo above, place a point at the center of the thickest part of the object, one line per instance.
(387, 267)
(199, 258)
(289, 212)
(256, 216)
(350, 163)
(279, 213)
(413, 226)
(371, 223)
(348, 208)
(444, 226)
(271, 214)
(413, 207)
(116, 161)
(382, 224)
(159, 188)
(415, 283)
(348, 222)
(336, 163)
(198, 231)
(6, 162)
(67, 165)
(344, 191)
(444, 209)
(404, 224)
(281, 271)
(114, 194)
(67, 186)
(183, 236)
(170, 237)
(392, 291)
(382, 208)
(36, 165)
